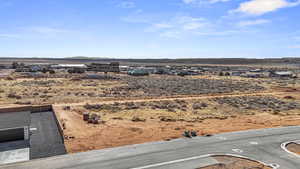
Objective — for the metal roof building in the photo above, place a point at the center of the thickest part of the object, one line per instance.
(66, 66)
(282, 74)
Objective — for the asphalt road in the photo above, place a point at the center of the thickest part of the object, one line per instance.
(262, 145)
(45, 139)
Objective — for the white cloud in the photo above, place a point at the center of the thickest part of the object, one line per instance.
(178, 25)
(138, 16)
(193, 26)
(188, 1)
(190, 23)
(188, 19)
(171, 34)
(182, 25)
(198, 2)
(171, 27)
(162, 25)
(260, 7)
(158, 26)
(126, 4)
(222, 33)
(47, 30)
(253, 22)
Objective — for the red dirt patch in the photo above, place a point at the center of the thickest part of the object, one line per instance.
(83, 137)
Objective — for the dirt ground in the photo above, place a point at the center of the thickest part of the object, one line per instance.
(293, 147)
(228, 162)
(122, 128)
(118, 133)
(145, 120)
(130, 114)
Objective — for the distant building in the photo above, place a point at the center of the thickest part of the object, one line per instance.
(68, 66)
(282, 74)
(124, 68)
(255, 75)
(14, 126)
(36, 67)
(24, 69)
(138, 72)
(256, 70)
(150, 70)
(162, 71)
(237, 73)
(102, 67)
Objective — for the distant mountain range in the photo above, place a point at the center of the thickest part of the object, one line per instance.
(228, 61)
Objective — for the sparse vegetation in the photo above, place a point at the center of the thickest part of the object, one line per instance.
(150, 86)
(152, 108)
(258, 103)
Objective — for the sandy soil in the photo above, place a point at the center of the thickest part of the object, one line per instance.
(293, 147)
(118, 128)
(84, 137)
(227, 162)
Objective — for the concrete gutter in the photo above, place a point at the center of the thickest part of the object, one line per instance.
(285, 144)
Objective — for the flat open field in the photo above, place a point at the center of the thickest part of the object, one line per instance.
(158, 107)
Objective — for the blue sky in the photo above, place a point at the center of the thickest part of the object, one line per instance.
(150, 28)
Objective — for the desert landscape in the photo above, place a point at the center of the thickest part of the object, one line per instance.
(139, 109)
(145, 84)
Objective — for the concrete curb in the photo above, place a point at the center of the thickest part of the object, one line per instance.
(284, 147)
(273, 166)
